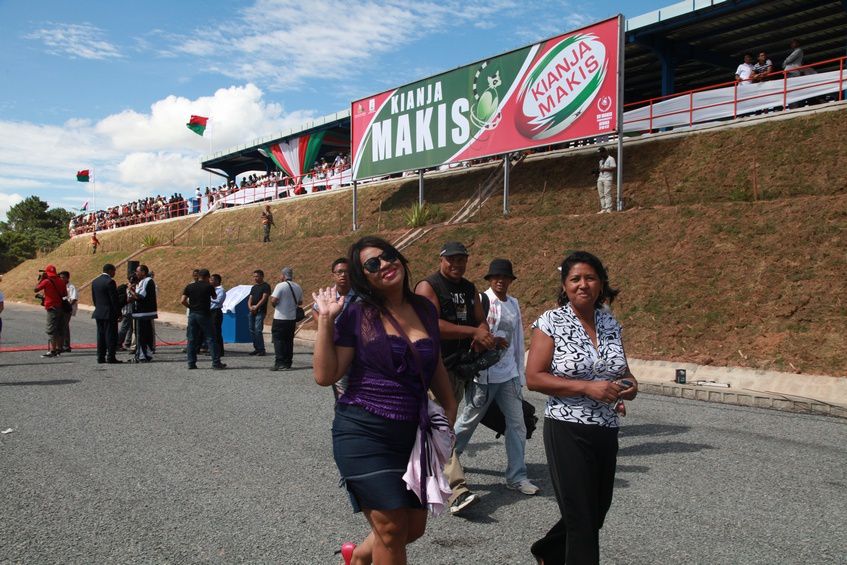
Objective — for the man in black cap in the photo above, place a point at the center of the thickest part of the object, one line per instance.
(463, 327)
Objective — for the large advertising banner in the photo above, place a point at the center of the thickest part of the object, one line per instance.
(561, 89)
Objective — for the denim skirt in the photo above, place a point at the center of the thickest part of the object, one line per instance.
(372, 453)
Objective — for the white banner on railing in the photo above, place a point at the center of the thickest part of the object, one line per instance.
(709, 105)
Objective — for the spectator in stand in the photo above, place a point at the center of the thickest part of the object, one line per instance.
(762, 68)
(286, 297)
(53, 289)
(73, 300)
(794, 59)
(745, 69)
(217, 312)
(257, 304)
(267, 223)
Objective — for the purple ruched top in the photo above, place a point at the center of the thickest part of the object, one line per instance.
(384, 377)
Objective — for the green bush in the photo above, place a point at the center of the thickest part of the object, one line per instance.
(419, 215)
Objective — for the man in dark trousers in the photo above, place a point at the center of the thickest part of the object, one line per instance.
(463, 326)
(146, 310)
(107, 312)
(197, 297)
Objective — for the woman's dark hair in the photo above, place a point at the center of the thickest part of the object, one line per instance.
(607, 294)
(358, 278)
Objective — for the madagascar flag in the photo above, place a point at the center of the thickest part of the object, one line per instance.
(197, 124)
(82, 176)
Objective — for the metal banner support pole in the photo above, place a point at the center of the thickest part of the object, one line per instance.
(420, 188)
(619, 111)
(507, 162)
(355, 205)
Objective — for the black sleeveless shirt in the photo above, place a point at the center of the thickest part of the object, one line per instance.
(457, 302)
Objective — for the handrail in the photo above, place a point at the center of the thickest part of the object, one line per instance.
(654, 114)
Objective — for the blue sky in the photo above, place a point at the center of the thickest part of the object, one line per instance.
(110, 85)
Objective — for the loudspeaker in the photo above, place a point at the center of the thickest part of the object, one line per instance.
(130, 267)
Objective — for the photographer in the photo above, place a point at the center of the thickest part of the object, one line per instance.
(52, 291)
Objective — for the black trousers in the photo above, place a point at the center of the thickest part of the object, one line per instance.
(107, 339)
(582, 459)
(145, 339)
(217, 325)
(282, 333)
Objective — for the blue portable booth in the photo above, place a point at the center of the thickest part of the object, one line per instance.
(236, 322)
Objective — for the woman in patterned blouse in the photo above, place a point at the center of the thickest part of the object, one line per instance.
(577, 357)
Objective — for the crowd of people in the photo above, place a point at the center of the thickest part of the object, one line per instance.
(400, 360)
(140, 211)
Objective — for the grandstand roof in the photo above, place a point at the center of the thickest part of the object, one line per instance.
(703, 41)
(237, 160)
(707, 39)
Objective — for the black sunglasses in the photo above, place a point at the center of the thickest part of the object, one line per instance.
(372, 265)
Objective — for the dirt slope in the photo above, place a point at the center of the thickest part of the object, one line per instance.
(706, 274)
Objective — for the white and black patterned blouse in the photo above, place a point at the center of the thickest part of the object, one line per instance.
(575, 357)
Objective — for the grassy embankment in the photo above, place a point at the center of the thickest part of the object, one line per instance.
(710, 270)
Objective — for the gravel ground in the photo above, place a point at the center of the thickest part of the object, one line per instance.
(156, 464)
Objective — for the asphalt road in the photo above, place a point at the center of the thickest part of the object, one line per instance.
(156, 464)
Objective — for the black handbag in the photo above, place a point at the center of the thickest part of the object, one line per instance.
(299, 313)
(495, 420)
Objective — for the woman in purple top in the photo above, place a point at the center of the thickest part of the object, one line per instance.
(377, 417)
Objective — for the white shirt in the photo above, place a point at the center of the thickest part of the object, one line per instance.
(286, 306)
(504, 320)
(607, 163)
(744, 71)
(575, 357)
(73, 297)
(218, 300)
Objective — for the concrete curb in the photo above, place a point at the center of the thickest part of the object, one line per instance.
(807, 394)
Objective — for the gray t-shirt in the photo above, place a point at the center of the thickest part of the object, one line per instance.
(286, 308)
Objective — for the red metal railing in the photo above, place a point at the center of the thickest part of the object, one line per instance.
(656, 114)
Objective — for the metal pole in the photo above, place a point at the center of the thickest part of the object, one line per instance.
(420, 188)
(355, 205)
(620, 111)
(507, 161)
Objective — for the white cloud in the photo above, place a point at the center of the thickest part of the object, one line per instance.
(283, 43)
(84, 41)
(7, 201)
(134, 154)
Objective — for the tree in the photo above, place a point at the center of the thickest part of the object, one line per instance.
(31, 226)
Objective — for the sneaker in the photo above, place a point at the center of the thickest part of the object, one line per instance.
(276, 368)
(50, 354)
(524, 487)
(463, 501)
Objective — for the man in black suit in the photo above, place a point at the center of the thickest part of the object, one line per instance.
(107, 313)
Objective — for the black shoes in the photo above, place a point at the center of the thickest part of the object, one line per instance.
(219, 366)
(114, 361)
(190, 367)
